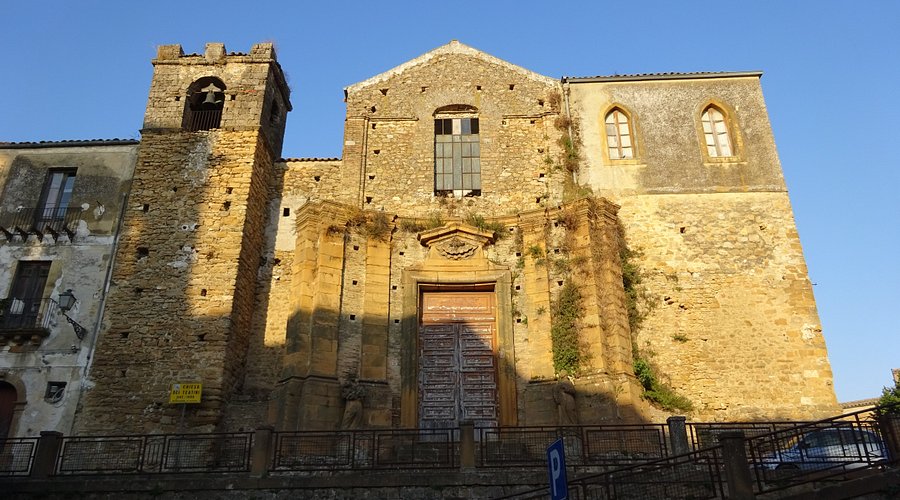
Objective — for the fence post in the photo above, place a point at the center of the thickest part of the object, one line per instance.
(678, 435)
(261, 452)
(737, 469)
(466, 445)
(45, 455)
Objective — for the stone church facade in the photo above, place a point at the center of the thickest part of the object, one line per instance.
(493, 246)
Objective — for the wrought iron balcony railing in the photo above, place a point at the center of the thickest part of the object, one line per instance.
(40, 222)
(25, 319)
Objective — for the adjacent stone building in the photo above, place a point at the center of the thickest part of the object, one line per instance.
(494, 246)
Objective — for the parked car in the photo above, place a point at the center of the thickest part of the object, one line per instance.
(847, 447)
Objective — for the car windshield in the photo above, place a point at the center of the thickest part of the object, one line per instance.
(822, 439)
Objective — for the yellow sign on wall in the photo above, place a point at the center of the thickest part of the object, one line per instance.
(185, 393)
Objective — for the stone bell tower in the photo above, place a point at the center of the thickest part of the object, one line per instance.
(182, 291)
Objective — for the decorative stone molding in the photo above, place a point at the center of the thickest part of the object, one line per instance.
(456, 242)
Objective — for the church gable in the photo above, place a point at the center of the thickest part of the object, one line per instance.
(451, 74)
(452, 48)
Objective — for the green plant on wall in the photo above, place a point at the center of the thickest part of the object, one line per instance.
(568, 142)
(565, 312)
(655, 391)
(639, 304)
(478, 221)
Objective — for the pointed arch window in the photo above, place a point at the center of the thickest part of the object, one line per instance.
(619, 135)
(203, 109)
(715, 129)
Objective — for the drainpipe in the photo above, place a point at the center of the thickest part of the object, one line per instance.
(363, 162)
(106, 282)
(569, 121)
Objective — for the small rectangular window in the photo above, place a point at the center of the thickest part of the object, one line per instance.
(55, 391)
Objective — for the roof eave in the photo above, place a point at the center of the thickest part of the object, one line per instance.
(672, 76)
(69, 143)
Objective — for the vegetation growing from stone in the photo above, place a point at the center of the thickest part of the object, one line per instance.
(373, 224)
(495, 227)
(655, 391)
(565, 312)
(411, 226)
(569, 143)
(538, 254)
(639, 304)
(434, 221)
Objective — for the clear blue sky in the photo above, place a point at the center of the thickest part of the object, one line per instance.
(81, 70)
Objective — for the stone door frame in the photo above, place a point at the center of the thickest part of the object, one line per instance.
(414, 283)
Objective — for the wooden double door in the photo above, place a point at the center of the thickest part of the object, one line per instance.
(457, 376)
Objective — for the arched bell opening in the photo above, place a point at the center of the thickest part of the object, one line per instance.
(205, 101)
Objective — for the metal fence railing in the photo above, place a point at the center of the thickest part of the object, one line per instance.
(833, 449)
(366, 449)
(607, 461)
(17, 456)
(706, 434)
(40, 221)
(696, 475)
(584, 445)
(26, 313)
(788, 455)
(164, 453)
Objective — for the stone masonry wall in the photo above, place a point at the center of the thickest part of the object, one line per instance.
(389, 136)
(177, 311)
(732, 320)
(302, 180)
(734, 326)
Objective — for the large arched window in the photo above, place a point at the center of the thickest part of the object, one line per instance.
(715, 129)
(457, 151)
(205, 100)
(619, 135)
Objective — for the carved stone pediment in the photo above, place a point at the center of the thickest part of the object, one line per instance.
(456, 242)
(456, 249)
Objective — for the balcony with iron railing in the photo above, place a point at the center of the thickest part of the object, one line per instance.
(25, 320)
(39, 222)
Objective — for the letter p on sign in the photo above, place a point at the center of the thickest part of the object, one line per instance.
(556, 469)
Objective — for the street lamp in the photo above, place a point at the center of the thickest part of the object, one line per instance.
(66, 303)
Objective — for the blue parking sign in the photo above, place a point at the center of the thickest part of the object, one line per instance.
(556, 468)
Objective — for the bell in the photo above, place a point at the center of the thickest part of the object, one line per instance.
(211, 98)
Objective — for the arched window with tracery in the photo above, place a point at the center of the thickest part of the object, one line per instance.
(457, 151)
(205, 100)
(619, 135)
(715, 130)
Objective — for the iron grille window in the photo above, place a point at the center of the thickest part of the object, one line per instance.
(457, 157)
(715, 129)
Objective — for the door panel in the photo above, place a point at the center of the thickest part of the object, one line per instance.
(457, 361)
